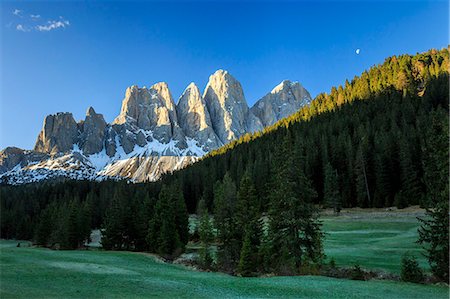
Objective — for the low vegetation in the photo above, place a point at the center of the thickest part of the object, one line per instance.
(43, 273)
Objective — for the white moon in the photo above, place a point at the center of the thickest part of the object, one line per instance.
(357, 51)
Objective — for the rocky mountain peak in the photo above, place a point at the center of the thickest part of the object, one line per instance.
(59, 133)
(151, 135)
(194, 118)
(285, 99)
(228, 108)
(93, 132)
(90, 111)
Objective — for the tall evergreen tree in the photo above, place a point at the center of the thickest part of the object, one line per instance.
(248, 218)
(434, 230)
(332, 196)
(228, 232)
(294, 231)
(206, 235)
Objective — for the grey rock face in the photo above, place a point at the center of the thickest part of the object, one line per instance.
(194, 118)
(284, 100)
(230, 115)
(59, 134)
(12, 157)
(92, 138)
(152, 110)
(151, 135)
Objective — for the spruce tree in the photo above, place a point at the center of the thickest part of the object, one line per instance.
(44, 227)
(247, 264)
(331, 194)
(206, 235)
(228, 232)
(434, 230)
(293, 224)
(248, 218)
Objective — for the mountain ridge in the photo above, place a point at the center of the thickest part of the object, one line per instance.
(152, 134)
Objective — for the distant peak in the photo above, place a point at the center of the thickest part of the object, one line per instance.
(90, 111)
(220, 72)
(162, 85)
(284, 84)
(191, 85)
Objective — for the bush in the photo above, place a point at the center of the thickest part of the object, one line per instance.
(410, 270)
(357, 273)
(332, 263)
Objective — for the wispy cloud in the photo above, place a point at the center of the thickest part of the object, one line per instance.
(34, 22)
(17, 12)
(52, 25)
(22, 28)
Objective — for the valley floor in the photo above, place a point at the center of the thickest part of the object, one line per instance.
(43, 273)
(374, 239)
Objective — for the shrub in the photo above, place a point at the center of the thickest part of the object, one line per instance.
(332, 263)
(357, 273)
(410, 270)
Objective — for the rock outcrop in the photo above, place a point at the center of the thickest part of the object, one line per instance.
(151, 135)
(194, 118)
(228, 108)
(93, 135)
(59, 134)
(285, 99)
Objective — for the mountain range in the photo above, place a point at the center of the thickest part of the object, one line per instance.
(152, 135)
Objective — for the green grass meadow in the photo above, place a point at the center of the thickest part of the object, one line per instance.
(377, 243)
(374, 242)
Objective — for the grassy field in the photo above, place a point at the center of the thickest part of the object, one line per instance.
(373, 239)
(43, 273)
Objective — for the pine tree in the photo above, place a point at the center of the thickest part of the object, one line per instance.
(73, 227)
(114, 226)
(228, 231)
(293, 224)
(332, 197)
(44, 227)
(248, 217)
(247, 264)
(411, 188)
(206, 235)
(434, 230)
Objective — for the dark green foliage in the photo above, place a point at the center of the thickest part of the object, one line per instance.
(168, 228)
(332, 198)
(401, 200)
(206, 235)
(45, 227)
(229, 234)
(248, 217)
(410, 270)
(247, 264)
(125, 223)
(357, 273)
(434, 231)
(294, 236)
(433, 234)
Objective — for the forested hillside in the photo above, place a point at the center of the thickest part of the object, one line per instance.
(378, 141)
(369, 140)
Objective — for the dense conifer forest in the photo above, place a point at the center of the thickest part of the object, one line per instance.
(380, 140)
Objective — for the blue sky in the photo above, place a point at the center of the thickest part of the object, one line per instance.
(67, 56)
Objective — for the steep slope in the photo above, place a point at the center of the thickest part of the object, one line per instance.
(369, 143)
(152, 135)
(228, 108)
